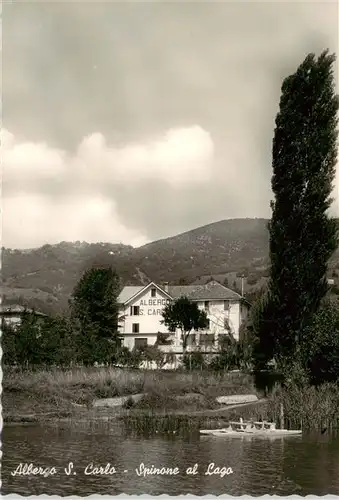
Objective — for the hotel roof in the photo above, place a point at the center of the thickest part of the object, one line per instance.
(210, 291)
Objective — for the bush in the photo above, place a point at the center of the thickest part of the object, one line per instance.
(232, 355)
(194, 361)
(130, 359)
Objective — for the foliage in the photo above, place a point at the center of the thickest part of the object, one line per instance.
(152, 353)
(321, 349)
(254, 295)
(185, 315)
(302, 235)
(232, 355)
(130, 359)
(60, 266)
(38, 341)
(260, 331)
(163, 339)
(94, 300)
(95, 313)
(194, 360)
(252, 279)
(8, 345)
(88, 336)
(57, 344)
(309, 407)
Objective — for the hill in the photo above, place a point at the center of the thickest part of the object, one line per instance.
(45, 277)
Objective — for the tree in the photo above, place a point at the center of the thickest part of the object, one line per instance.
(39, 341)
(8, 344)
(261, 332)
(321, 349)
(95, 312)
(185, 315)
(302, 234)
(56, 341)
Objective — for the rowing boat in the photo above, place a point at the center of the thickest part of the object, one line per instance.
(249, 429)
(250, 433)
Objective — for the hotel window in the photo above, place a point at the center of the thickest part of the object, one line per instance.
(226, 305)
(226, 324)
(140, 343)
(135, 328)
(207, 305)
(135, 310)
(208, 324)
(153, 292)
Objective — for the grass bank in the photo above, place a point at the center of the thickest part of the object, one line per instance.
(31, 395)
(66, 392)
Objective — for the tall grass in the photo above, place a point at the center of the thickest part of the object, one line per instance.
(306, 407)
(83, 385)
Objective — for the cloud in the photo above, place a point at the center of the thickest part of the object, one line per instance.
(132, 193)
(49, 195)
(33, 220)
(183, 105)
(180, 156)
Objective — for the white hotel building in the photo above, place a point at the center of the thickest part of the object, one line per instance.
(142, 306)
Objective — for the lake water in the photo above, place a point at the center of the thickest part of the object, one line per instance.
(295, 465)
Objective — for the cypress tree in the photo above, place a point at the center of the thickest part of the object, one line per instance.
(302, 234)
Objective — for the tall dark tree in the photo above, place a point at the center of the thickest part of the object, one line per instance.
(95, 310)
(302, 234)
(321, 351)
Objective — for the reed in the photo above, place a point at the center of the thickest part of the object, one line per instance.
(306, 407)
(166, 425)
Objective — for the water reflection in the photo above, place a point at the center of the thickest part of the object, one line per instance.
(307, 465)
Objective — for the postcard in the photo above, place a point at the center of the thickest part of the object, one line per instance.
(169, 257)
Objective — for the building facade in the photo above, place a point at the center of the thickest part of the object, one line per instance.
(142, 307)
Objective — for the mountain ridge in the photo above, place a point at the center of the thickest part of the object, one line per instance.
(44, 277)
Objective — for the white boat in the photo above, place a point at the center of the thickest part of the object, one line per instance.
(258, 433)
(250, 429)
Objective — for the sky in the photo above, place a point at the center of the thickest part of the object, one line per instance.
(130, 122)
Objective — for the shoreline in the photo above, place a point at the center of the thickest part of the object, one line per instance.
(41, 396)
(111, 414)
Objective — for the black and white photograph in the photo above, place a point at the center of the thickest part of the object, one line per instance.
(169, 304)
